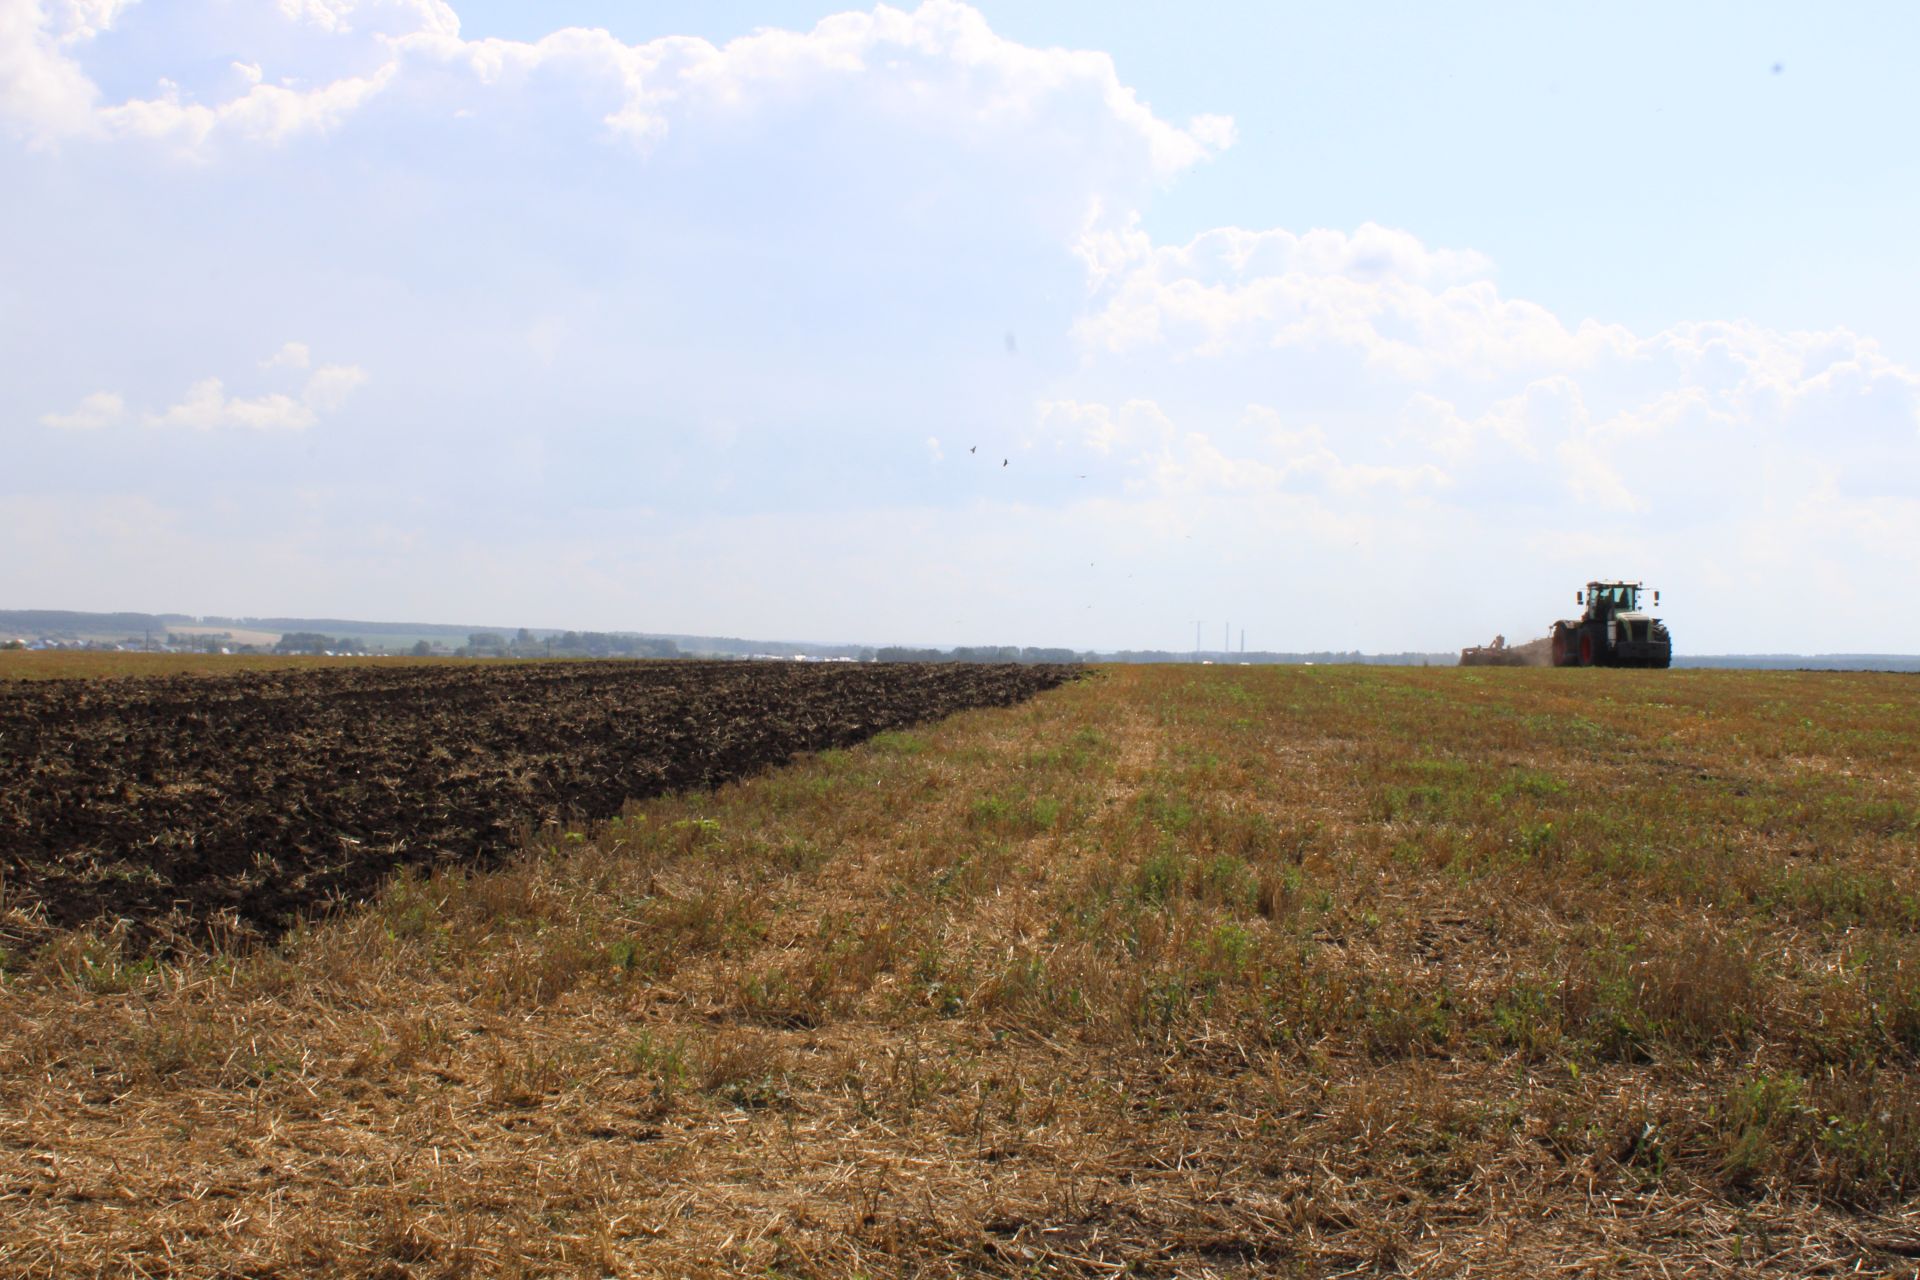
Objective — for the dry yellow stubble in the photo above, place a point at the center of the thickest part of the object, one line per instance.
(1178, 970)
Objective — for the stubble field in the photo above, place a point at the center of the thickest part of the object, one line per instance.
(1197, 971)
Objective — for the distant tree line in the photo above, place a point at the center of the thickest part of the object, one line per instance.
(1008, 653)
(567, 644)
(314, 642)
(63, 622)
(977, 653)
(202, 642)
(734, 646)
(1269, 657)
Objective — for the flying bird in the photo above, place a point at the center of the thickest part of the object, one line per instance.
(973, 448)
(1003, 462)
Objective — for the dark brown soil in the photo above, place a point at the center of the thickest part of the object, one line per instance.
(172, 803)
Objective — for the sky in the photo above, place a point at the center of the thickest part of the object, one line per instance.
(1375, 327)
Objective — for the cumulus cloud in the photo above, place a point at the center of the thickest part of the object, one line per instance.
(1392, 392)
(1380, 293)
(939, 68)
(45, 96)
(48, 97)
(387, 17)
(101, 409)
(331, 384)
(1260, 452)
(207, 406)
(1102, 429)
(783, 237)
(294, 355)
(265, 113)
(78, 20)
(940, 65)
(1411, 347)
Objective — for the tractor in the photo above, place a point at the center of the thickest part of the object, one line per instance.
(1613, 632)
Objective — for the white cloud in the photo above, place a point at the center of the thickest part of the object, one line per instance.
(939, 69)
(79, 20)
(1093, 424)
(265, 113)
(776, 260)
(294, 355)
(390, 17)
(1592, 479)
(1377, 292)
(207, 407)
(328, 15)
(1372, 384)
(1258, 453)
(1213, 132)
(940, 64)
(45, 96)
(1350, 321)
(331, 384)
(1104, 430)
(101, 409)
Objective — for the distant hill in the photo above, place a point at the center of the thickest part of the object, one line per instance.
(58, 624)
(1803, 661)
(65, 623)
(337, 626)
(1270, 657)
(73, 625)
(454, 635)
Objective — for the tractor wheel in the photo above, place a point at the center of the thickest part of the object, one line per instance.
(1563, 655)
(1586, 648)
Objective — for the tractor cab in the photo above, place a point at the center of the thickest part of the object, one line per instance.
(1605, 599)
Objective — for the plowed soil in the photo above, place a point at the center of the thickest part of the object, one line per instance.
(171, 803)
